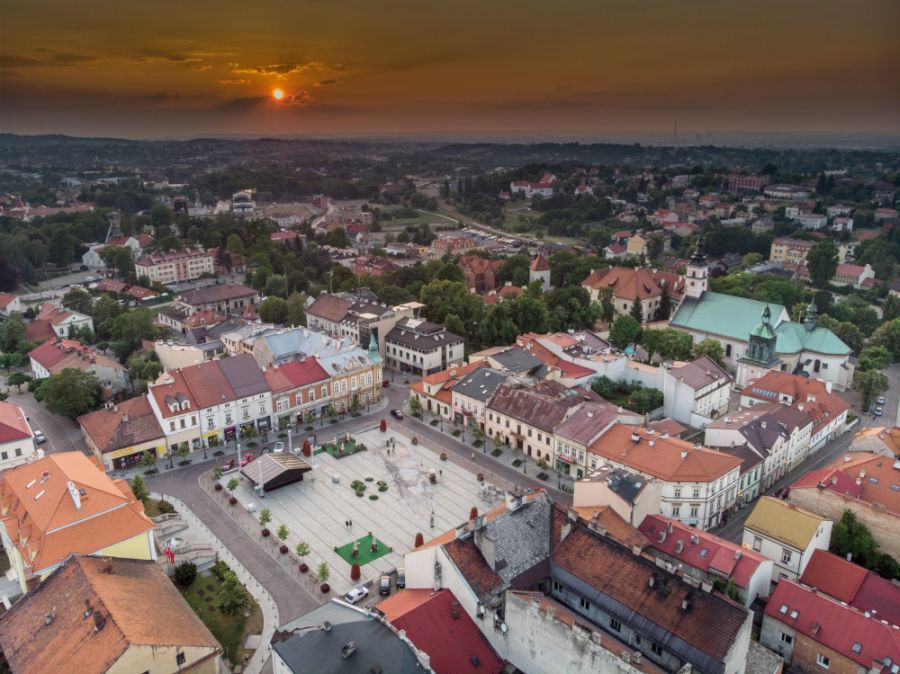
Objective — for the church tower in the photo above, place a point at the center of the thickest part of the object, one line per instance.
(760, 356)
(697, 278)
(114, 219)
(809, 321)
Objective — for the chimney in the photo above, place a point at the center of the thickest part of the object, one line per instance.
(73, 492)
(454, 610)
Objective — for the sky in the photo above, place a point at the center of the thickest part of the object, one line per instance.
(486, 69)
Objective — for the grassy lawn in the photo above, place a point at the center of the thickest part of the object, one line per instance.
(341, 449)
(152, 509)
(230, 631)
(365, 553)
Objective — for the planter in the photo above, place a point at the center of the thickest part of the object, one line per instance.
(283, 549)
(415, 440)
(326, 588)
(232, 500)
(473, 513)
(303, 567)
(480, 477)
(383, 425)
(218, 486)
(420, 541)
(354, 572)
(265, 533)
(443, 456)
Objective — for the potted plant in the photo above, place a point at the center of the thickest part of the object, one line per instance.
(231, 486)
(473, 513)
(480, 477)
(282, 534)
(420, 541)
(324, 572)
(302, 550)
(443, 456)
(354, 571)
(265, 516)
(355, 551)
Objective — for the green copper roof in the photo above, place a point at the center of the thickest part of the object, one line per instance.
(794, 337)
(723, 315)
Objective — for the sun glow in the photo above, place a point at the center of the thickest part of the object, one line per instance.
(278, 94)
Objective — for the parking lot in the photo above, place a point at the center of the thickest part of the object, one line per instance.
(318, 509)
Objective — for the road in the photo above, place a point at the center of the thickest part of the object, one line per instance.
(62, 435)
(891, 405)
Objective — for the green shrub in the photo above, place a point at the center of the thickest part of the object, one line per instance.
(185, 573)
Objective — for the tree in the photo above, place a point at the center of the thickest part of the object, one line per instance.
(78, 299)
(888, 336)
(874, 358)
(132, 328)
(295, 312)
(71, 393)
(607, 308)
(161, 216)
(652, 341)
(712, 349)
(149, 459)
(273, 310)
(323, 571)
(415, 405)
(282, 533)
(664, 310)
(234, 245)
(655, 245)
(265, 516)
(644, 400)
(624, 331)
(143, 369)
(822, 262)
(12, 333)
(185, 574)
(514, 269)
(17, 379)
(676, 345)
(869, 384)
(232, 596)
(138, 488)
(890, 308)
(121, 259)
(637, 311)
(302, 549)
(851, 537)
(232, 485)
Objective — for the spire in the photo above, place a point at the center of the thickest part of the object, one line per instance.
(767, 315)
(373, 345)
(699, 258)
(809, 321)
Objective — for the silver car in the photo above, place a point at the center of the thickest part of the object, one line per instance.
(357, 594)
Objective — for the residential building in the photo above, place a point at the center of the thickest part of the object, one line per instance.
(371, 265)
(357, 316)
(64, 322)
(276, 347)
(786, 534)
(16, 436)
(470, 393)
(539, 270)
(744, 183)
(480, 272)
(103, 615)
(864, 483)
(580, 429)
(59, 354)
(301, 391)
(176, 266)
(651, 287)
(221, 298)
(882, 214)
(629, 495)
(338, 637)
(543, 187)
(785, 249)
(513, 361)
(418, 346)
(814, 397)
(10, 303)
(813, 632)
(697, 392)
(792, 192)
(434, 391)
(636, 246)
(853, 275)
(64, 504)
(707, 558)
(878, 439)
(120, 435)
(327, 312)
(453, 245)
(211, 403)
(814, 221)
(699, 484)
(173, 356)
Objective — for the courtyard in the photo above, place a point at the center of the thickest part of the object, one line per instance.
(384, 491)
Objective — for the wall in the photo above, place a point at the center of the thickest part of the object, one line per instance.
(807, 650)
(24, 446)
(162, 660)
(770, 637)
(136, 547)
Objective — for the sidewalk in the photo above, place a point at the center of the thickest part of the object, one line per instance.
(263, 598)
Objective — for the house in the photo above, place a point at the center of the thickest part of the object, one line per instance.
(792, 192)
(852, 275)
(64, 504)
(629, 495)
(865, 483)
(301, 391)
(614, 251)
(212, 403)
(745, 183)
(371, 265)
(882, 214)
(708, 558)
(52, 357)
(98, 615)
(636, 246)
(580, 429)
(515, 361)
(698, 484)
(529, 189)
(119, 435)
(176, 266)
(357, 315)
(786, 534)
(539, 270)
(64, 322)
(435, 624)
(878, 439)
(814, 397)
(814, 632)
(453, 245)
(326, 313)
(16, 436)
(785, 249)
(771, 342)
(471, 392)
(10, 303)
(854, 585)
(418, 346)
(221, 298)
(697, 392)
(812, 221)
(434, 391)
(480, 272)
(337, 637)
(651, 287)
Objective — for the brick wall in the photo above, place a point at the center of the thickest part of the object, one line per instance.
(806, 652)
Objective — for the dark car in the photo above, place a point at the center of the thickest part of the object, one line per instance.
(397, 414)
(385, 383)
(384, 584)
(401, 577)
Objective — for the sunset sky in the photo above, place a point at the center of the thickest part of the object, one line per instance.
(484, 68)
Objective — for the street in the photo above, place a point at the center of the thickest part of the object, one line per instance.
(62, 435)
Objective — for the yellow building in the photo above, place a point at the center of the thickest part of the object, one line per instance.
(65, 504)
(98, 615)
(637, 245)
(119, 436)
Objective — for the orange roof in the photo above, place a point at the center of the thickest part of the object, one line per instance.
(669, 459)
(616, 528)
(540, 263)
(58, 354)
(13, 425)
(877, 475)
(45, 524)
(455, 372)
(809, 395)
(639, 283)
(403, 602)
(99, 607)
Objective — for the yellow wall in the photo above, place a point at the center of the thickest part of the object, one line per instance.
(137, 547)
(162, 660)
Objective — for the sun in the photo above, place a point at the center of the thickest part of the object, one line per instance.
(278, 94)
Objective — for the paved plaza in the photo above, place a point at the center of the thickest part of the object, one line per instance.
(318, 509)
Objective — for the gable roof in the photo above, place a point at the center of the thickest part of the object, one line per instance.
(535, 409)
(878, 479)
(810, 396)
(826, 621)
(700, 373)
(330, 307)
(13, 425)
(631, 283)
(784, 522)
(217, 293)
(794, 337)
(55, 355)
(723, 315)
(43, 521)
(131, 601)
(129, 423)
(295, 374)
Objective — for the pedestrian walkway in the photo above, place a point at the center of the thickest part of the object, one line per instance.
(260, 594)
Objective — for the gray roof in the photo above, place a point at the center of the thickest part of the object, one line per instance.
(700, 373)
(421, 335)
(517, 360)
(244, 375)
(480, 384)
(377, 647)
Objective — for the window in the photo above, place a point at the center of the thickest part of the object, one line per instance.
(615, 625)
(857, 647)
(179, 659)
(757, 543)
(210, 423)
(324, 391)
(822, 661)
(696, 492)
(656, 649)
(786, 556)
(312, 394)
(4, 455)
(677, 492)
(676, 511)
(181, 422)
(227, 417)
(585, 604)
(783, 609)
(18, 451)
(787, 638)
(695, 509)
(557, 587)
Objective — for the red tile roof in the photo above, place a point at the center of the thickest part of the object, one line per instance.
(6, 299)
(472, 566)
(13, 425)
(876, 475)
(58, 354)
(129, 423)
(540, 263)
(295, 374)
(635, 283)
(451, 643)
(812, 394)
(841, 628)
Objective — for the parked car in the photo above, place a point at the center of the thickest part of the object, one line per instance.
(384, 584)
(397, 414)
(385, 383)
(278, 448)
(880, 400)
(228, 464)
(356, 594)
(877, 412)
(401, 577)
(39, 437)
(247, 458)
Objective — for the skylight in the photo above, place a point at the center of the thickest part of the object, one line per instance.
(783, 609)
(857, 647)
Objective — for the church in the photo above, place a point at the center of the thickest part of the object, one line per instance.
(758, 336)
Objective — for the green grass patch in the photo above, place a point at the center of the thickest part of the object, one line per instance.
(230, 631)
(365, 550)
(497, 452)
(517, 463)
(342, 448)
(373, 497)
(457, 433)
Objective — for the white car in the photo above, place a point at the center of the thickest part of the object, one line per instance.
(278, 448)
(39, 437)
(357, 594)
